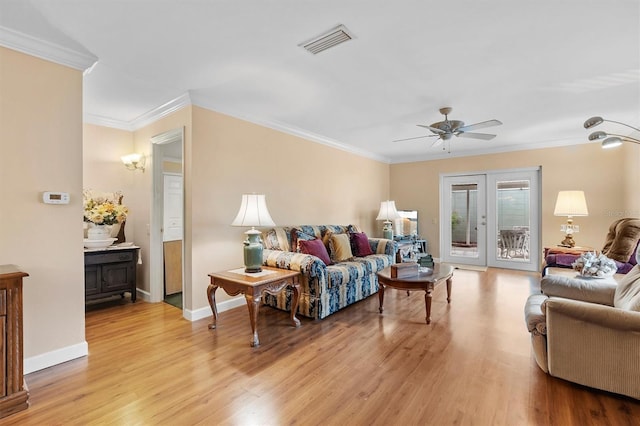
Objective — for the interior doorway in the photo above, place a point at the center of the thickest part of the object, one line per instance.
(172, 234)
(167, 219)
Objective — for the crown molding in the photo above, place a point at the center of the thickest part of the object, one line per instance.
(161, 111)
(43, 49)
(203, 102)
(99, 120)
(144, 119)
(188, 98)
(488, 151)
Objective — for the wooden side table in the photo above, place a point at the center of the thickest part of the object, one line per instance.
(253, 286)
(577, 251)
(567, 250)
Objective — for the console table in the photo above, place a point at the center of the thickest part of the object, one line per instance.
(14, 395)
(111, 271)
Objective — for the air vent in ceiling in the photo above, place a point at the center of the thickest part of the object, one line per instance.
(327, 40)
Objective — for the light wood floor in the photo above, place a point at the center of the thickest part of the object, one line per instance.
(472, 366)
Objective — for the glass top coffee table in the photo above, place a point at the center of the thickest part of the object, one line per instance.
(425, 281)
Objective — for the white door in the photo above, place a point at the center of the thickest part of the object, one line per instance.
(513, 207)
(463, 220)
(173, 208)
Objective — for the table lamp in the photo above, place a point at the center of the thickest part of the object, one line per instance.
(570, 203)
(388, 213)
(253, 212)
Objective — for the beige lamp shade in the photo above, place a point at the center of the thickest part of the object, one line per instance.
(253, 211)
(571, 203)
(388, 211)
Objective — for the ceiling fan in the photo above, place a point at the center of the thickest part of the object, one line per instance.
(444, 130)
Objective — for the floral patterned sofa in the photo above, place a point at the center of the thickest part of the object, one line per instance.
(330, 285)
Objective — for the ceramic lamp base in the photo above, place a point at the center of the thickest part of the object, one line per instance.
(252, 252)
(387, 231)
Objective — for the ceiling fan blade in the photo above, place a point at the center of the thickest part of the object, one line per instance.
(408, 139)
(481, 125)
(485, 136)
(433, 129)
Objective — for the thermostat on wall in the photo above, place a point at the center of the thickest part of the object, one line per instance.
(50, 197)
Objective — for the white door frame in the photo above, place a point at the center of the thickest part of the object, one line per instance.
(446, 183)
(488, 211)
(533, 176)
(156, 262)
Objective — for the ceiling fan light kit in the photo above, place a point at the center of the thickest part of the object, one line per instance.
(444, 130)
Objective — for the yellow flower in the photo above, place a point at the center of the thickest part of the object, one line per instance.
(104, 209)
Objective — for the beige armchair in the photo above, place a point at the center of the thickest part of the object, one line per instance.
(587, 331)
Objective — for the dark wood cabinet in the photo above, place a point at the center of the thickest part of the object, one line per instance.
(14, 395)
(110, 272)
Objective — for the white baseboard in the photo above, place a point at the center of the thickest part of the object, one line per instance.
(144, 295)
(49, 359)
(206, 312)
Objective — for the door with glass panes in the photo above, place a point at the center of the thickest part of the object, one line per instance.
(491, 219)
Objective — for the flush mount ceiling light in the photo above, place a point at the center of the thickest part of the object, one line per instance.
(327, 40)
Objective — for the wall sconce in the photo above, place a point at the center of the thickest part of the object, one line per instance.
(134, 161)
(611, 140)
(570, 203)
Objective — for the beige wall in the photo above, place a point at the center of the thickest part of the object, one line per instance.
(102, 169)
(608, 178)
(631, 165)
(224, 157)
(41, 150)
(305, 183)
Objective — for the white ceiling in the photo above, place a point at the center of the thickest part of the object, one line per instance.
(541, 67)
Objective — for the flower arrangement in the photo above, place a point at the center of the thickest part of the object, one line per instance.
(103, 209)
(592, 265)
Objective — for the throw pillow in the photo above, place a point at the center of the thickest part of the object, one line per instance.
(326, 237)
(360, 244)
(353, 228)
(315, 248)
(340, 247)
(297, 236)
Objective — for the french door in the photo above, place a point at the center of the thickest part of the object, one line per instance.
(463, 220)
(491, 219)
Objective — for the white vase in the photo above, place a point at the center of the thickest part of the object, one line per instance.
(99, 232)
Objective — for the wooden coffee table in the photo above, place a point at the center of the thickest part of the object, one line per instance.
(421, 281)
(253, 286)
